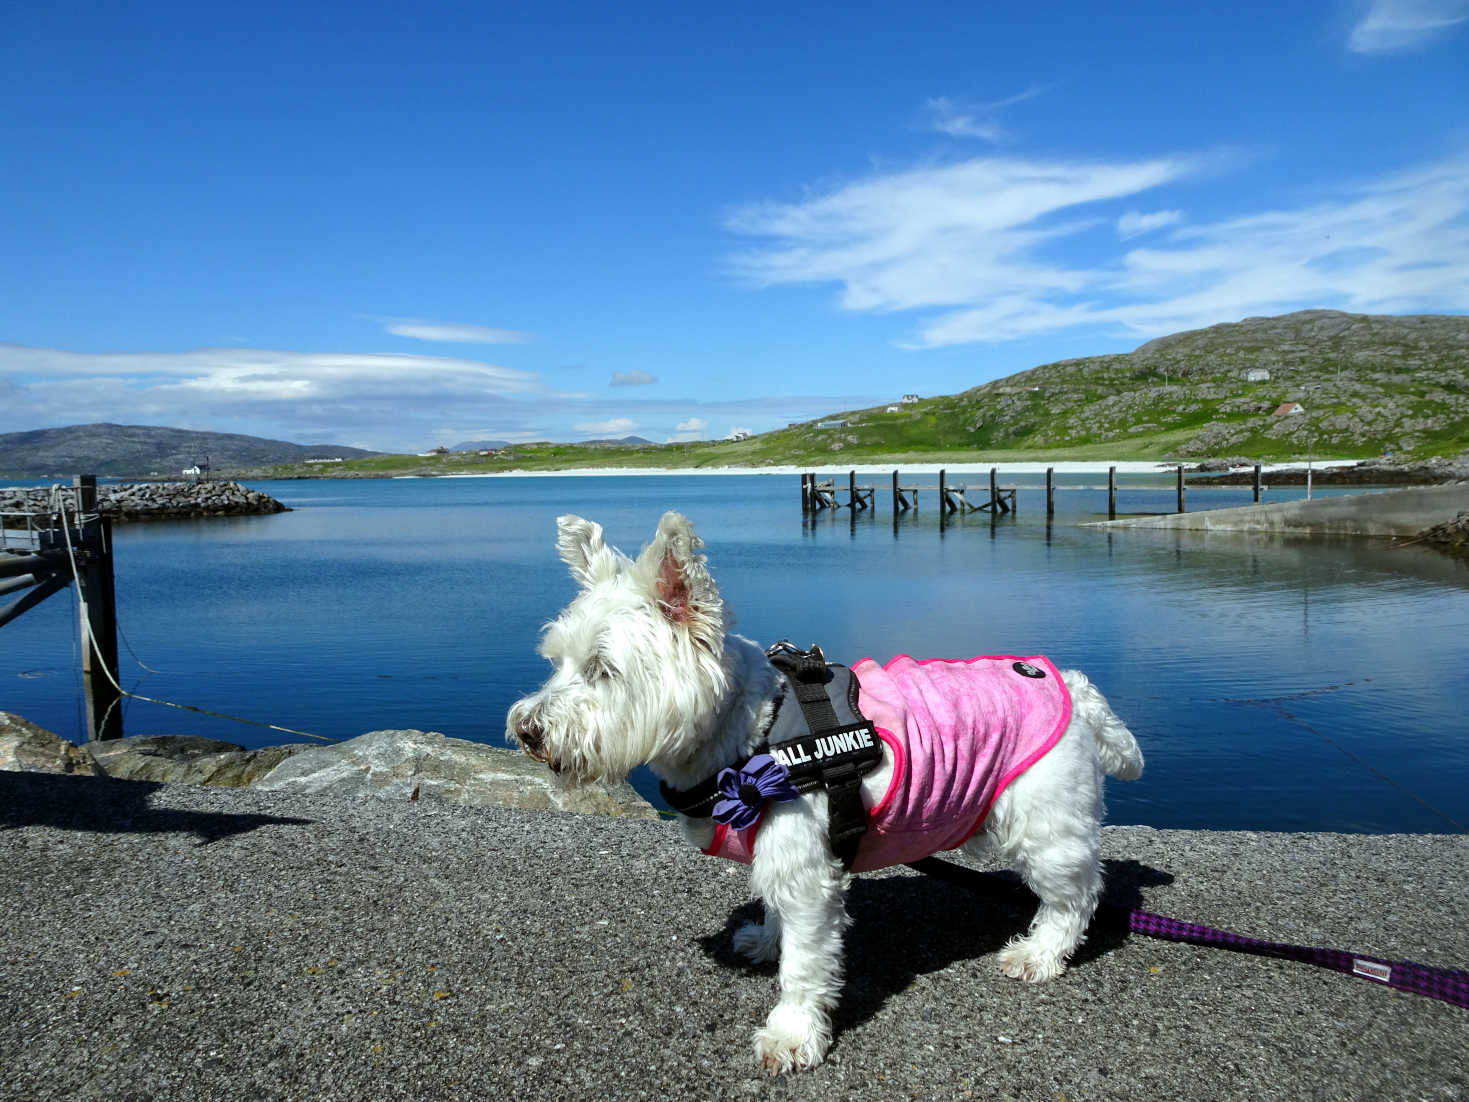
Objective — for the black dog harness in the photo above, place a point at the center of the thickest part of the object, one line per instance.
(825, 744)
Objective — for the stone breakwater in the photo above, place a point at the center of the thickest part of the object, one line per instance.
(155, 500)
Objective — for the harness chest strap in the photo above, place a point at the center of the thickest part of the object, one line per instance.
(825, 744)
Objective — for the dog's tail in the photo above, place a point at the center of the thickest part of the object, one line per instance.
(1117, 749)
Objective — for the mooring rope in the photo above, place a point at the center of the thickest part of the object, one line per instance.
(86, 617)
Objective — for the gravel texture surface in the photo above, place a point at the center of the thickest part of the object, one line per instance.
(173, 942)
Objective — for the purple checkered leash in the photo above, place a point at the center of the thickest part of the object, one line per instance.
(1450, 985)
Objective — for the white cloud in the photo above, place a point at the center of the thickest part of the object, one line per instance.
(694, 428)
(633, 378)
(1392, 25)
(282, 394)
(615, 426)
(948, 118)
(995, 249)
(963, 120)
(1133, 224)
(449, 332)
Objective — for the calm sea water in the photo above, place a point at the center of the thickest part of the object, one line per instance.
(1273, 684)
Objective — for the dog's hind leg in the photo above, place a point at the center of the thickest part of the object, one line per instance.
(1047, 824)
(1064, 873)
(801, 885)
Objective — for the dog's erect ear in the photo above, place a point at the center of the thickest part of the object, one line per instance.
(583, 549)
(681, 582)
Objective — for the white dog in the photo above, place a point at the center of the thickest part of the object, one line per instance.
(647, 672)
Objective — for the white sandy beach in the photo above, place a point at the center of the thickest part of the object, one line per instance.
(867, 470)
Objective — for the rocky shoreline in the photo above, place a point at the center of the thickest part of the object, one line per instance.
(401, 764)
(1438, 471)
(134, 501)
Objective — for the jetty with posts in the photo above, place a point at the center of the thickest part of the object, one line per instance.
(47, 546)
(819, 494)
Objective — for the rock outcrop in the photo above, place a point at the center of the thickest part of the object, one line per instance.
(392, 764)
(26, 748)
(398, 764)
(186, 759)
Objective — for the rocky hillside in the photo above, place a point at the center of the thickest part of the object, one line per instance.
(142, 450)
(1367, 385)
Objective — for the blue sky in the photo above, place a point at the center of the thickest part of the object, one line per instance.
(395, 226)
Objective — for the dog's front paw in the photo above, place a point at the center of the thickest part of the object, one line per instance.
(757, 942)
(792, 1039)
(1024, 959)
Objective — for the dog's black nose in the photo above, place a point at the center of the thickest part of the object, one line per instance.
(532, 738)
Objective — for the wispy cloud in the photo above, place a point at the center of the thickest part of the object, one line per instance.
(974, 120)
(452, 333)
(633, 378)
(613, 426)
(1133, 224)
(984, 248)
(1389, 26)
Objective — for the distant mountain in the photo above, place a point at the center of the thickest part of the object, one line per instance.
(140, 450)
(619, 440)
(480, 446)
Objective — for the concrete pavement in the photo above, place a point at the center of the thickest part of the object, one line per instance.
(183, 943)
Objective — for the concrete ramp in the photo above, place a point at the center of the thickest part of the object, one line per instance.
(1395, 513)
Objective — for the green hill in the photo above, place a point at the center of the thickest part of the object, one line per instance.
(1368, 384)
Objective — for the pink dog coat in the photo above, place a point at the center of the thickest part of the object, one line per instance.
(957, 732)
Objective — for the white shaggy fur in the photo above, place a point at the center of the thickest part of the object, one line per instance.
(646, 671)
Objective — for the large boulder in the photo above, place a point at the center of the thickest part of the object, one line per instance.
(26, 748)
(412, 764)
(186, 759)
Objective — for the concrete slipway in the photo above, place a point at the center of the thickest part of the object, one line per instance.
(1393, 513)
(183, 943)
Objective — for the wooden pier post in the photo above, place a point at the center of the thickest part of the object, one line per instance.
(852, 502)
(1050, 491)
(1111, 493)
(995, 505)
(943, 497)
(897, 498)
(1257, 483)
(1181, 508)
(99, 614)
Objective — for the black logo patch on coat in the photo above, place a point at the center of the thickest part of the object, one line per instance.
(1025, 669)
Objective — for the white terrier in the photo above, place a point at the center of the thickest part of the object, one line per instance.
(646, 672)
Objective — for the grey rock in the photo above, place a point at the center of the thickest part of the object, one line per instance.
(154, 501)
(186, 759)
(27, 748)
(396, 764)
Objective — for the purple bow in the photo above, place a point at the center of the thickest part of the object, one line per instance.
(743, 792)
